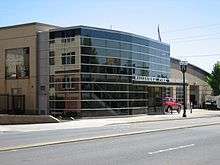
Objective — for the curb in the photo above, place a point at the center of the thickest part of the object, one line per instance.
(37, 145)
(146, 121)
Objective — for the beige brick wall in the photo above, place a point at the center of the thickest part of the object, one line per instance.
(19, 37)
(204, 88)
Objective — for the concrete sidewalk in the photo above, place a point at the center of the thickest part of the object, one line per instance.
(86, 123)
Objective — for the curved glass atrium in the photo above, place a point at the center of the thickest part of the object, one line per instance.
(105, 72)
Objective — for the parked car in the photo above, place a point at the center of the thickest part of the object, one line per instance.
(211, 104)
(170, 104)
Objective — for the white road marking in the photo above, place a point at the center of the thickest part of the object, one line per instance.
(170, 149)
(121, 125)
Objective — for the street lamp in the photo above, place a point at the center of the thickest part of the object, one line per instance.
(183, 67)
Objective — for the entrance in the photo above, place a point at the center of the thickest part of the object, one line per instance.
(156, 95)
(194, 95)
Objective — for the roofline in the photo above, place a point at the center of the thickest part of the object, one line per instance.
(27, 24)
(107, 30)
(192, 66)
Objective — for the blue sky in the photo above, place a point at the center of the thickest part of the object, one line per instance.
(191, 27)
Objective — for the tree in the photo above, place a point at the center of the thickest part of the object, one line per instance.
(213, 79)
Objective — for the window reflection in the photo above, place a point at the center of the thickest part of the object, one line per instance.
(17, 63)
(109, 61)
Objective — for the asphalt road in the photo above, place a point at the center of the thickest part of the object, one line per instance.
(13, 139)
(192, 146)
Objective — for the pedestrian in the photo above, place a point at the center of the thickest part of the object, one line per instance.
(191, 107)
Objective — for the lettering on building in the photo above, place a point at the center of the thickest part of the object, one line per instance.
(152, 79)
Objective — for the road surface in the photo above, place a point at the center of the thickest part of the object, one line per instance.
(198, 145)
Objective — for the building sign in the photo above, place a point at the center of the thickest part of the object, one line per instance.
(152, 79)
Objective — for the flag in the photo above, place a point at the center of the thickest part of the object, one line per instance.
(158, 31)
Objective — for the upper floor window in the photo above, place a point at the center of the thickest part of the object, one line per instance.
(66, 40)
(51, 41)
(17, 63)
(68, 58)
(51, 58)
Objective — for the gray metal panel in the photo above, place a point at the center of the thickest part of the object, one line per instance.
(43, 72)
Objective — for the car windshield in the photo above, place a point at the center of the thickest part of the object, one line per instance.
(169, 99)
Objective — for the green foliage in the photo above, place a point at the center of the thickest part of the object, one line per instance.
(213, 79)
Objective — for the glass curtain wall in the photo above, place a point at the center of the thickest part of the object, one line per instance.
(100, 77)
(64, 85)
(109, 62)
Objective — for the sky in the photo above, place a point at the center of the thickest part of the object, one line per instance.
(191, 27)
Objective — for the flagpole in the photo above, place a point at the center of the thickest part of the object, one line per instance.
(158, 31)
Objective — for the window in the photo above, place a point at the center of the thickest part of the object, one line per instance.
(51, 78)
(67, 83)
(179, 94)
(51, 41)
(67, 40)
(63, 40)
(68, 58)
(42, 87)
(51, 61)
(17, 63)
(51, 54)
(51, 58)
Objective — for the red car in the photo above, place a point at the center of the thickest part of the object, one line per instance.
(171, 104)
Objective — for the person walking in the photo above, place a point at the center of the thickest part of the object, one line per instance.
(191, 107)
